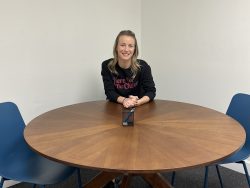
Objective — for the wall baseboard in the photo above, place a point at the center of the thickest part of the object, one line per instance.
(9, 183)
(237, 167)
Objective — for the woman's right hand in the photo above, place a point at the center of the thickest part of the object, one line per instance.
(134, 98)
(130, 102)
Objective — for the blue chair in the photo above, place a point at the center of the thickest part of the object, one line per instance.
(239, 109)
(18, 162)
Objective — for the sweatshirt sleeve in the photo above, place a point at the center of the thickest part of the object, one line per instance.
(108, 83)
(147, 81)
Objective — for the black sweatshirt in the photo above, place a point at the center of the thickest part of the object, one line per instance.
(123, 84)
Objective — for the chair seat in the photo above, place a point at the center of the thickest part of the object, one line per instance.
(18, 161)
(239, 109)
(30, 167)
(238, 156)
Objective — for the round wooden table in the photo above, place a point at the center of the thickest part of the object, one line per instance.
(166, 136)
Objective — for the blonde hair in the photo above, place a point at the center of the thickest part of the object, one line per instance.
(134, 63)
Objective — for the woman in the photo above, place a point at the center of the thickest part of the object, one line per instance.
(127, 80)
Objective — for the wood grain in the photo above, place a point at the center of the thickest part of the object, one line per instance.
(166, 136)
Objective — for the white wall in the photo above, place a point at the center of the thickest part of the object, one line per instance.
(51, 50)
(199, 50)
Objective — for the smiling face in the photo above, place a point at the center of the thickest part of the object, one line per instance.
(125, 49)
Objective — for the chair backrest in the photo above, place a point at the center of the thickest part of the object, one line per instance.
(11, 127)
(239, 109)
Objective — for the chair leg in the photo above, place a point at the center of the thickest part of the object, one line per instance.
(34, 186)
(246, 172)
(117, 181)
(206, 178)
(219, 176)
(79, 177)
(173, 178)
(2, 181)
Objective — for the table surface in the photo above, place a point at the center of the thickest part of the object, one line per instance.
(166, 136)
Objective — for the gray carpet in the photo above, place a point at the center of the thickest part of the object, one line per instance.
(191, 178)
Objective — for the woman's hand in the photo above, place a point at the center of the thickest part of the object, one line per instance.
(142, 101)
(134, 98)
(132, 101)
(129, 102)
